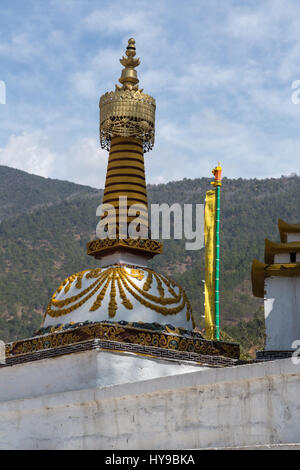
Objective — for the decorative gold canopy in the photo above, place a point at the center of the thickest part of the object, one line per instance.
(127, 111)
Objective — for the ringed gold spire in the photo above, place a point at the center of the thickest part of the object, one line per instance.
(127, 128)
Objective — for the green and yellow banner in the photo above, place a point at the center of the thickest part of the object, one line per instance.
(210, 251)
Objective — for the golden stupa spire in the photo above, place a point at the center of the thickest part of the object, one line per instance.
(127, 128)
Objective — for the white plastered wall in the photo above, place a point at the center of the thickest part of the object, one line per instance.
(254, 404)
(282, 312)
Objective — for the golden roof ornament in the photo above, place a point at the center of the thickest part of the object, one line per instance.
(129, 78)
(127, 111)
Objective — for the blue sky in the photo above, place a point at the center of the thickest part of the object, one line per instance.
(221, 73)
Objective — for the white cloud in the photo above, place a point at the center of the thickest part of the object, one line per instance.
(19, 47)
(98, 74)
(131, 16)
(84, 163)
(221, 73)
(207, 138)
(248, 24)
(28, 152)
(115, 19)
(85, 83)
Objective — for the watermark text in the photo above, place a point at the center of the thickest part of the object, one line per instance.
(2, 352)
(2, 92)
(296, 353)
(176, 221)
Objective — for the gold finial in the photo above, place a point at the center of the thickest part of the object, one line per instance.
(217, 172)
(129, 78)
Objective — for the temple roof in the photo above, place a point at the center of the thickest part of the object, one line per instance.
(273, 248)
(260, 271)
(285, 228)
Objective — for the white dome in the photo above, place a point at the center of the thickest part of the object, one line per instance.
(119, 292)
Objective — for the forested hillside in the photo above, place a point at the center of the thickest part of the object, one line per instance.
(46, 224)
(22, 192)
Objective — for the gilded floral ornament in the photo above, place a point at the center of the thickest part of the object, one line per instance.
(122, 336)
(99, 247)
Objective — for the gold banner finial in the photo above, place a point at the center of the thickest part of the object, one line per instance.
(217, 172)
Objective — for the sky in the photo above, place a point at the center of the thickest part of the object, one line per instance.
(221, 73)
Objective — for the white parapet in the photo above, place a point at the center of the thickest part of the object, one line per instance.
(282, 312)
(84, 370)
(247, 405)
(292, 237)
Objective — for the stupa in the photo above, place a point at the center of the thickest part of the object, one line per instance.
(117, 364)
(123, 288)
(277, 280)
(123, 300)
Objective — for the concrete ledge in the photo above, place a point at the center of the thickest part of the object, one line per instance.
(243, 406)
(260, 447)
(84, 369)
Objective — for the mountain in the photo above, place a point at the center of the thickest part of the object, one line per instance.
(47, 223)
(22, 192)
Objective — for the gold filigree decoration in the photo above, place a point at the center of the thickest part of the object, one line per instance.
(159, 286)
(169, 339)
(158, 308)
(97, 247)
(101, 296)
(93, 273)
(137, 273)
(118, 277)
(112, 306)
(125, 301)
(144, 294)
(148, 282)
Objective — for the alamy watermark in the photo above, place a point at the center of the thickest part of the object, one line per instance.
(2, 92)
(295, 97)
(131, 221)
(296, 353)
(2, 352)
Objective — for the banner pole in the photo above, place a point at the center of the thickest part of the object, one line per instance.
(217, 183)
(217, 274)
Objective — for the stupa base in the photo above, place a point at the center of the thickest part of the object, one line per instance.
(273, 355)
(146, 338)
